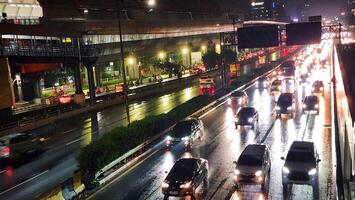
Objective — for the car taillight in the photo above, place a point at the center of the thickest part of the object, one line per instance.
(6, 151)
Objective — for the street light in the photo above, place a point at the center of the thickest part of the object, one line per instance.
(161, 55)
(150, 3)
(131, 60)
(203, 48)
(185, 50)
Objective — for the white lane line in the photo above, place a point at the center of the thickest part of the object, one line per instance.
(26, 181)
(68, 131)
(72, 142)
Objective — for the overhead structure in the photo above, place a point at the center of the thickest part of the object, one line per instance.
(21, 9)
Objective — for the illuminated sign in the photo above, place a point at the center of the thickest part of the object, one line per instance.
(257, 3)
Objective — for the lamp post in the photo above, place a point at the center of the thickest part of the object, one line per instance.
(150, 3)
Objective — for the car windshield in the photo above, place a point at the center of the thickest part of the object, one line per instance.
(237, 94)
(182, 170)
(182, 129)
(312, 100)
(277, 82)
(300, 156)
(285, 99)
(245, 112)
(249, 160)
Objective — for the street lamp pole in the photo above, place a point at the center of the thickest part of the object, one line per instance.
(125, 87)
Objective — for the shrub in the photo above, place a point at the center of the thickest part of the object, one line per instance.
(121, 139)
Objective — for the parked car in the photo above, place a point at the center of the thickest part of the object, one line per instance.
(238, 98)
(18, 144)
(247, 116)
(311, 104)
(285, 104)
(253, 166)
(301, 166)
(187, 131)
(185, 176)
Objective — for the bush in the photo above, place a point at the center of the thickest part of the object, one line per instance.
(120, 140)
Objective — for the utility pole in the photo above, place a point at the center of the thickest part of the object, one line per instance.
(125, 87)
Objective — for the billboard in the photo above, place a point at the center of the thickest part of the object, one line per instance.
(258, 37)
(303, 33)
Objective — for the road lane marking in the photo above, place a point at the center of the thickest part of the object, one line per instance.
(68, 131)
(26, 181)
(72, 142)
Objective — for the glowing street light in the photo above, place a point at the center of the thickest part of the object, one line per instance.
(185, 50)
(151, 3)
(131, 60)
(161, 55)
(203, 48)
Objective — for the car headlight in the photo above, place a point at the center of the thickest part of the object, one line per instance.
(321, 88)
(312, 172)
(229, 100)
(285, 170)
(277, 107)
(186, 185)
(236, 120)
(185, 138)
(165, 185)
(168, 137)
(258, 173)
(304, 106)
(236, 172)
(289, 108)
(316, 106)
(250, 119)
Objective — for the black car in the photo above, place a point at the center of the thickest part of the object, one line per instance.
(18, 144)
(311, 103)
(285, 104)
(185, 176)
(247, 116)
(301, 166)
(187, 130)
(263, 82)
(318, 87)
(253, 166)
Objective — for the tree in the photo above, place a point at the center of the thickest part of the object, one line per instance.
(211, 59)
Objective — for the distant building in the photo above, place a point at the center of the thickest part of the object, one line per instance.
(351, 12)
(267, 10)
(303, 10)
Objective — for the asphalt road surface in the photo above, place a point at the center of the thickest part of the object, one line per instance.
(222, 144)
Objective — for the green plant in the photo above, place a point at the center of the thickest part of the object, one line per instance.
(115, 143)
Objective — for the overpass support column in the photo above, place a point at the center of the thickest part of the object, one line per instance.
(78, 79)
(91, 83)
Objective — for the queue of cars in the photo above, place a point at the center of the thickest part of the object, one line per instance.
(254, 163)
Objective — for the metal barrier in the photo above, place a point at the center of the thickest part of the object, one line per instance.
(69, 189)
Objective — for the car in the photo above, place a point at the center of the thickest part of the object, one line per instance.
(238, 98)
(185, 176)
(187, 131)
(318, 87)
(288, 72)
(311, 104)
(253, 166)
(18, 144)
(277, 73)
(263, 82)
(276, 85)
(304, 79)
(247, 116)
(285, 104)
(301, 166)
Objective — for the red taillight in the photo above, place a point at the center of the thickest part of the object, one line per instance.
(6, 151)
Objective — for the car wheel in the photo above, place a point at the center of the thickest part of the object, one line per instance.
(315, 190)
(284, 190)
(166, 197)
(236, 126)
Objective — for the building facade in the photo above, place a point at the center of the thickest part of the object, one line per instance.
(267, 10)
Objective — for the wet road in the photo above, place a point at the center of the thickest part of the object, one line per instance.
(222, 144)
(26, 178)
